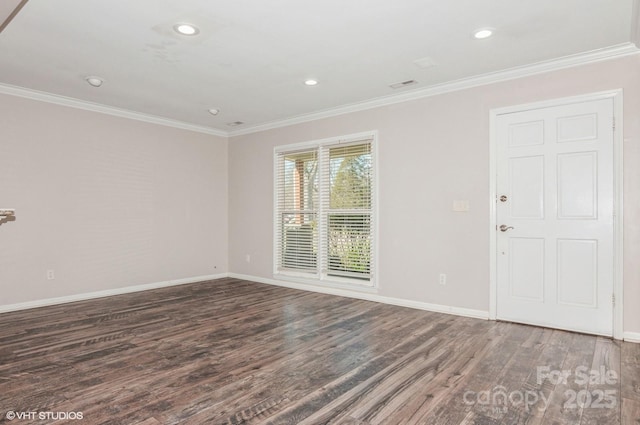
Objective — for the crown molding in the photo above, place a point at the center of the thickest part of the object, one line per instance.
(570, 61)
(594, 56)
(103, 109)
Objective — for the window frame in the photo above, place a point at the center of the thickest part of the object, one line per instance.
(320, 276)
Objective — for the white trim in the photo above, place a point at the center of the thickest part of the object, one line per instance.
(614, 52)
(370, 136)
(635, 23)
(310, 144)
(301, 279)
(618, 211)
(632, 337)
(103, 109)
(621, 50)
(107, 293)
(375, 209)
(275, 220)
(493, 224)
(458, 311)
(607, 94)
(618, 139)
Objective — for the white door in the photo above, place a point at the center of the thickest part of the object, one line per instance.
(555, 200)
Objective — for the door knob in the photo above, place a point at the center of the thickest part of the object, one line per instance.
(504, 227)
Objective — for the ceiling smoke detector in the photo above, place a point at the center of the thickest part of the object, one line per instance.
(94, 81)
(214, 111)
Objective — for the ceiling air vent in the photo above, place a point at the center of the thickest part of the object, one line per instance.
(403, 84)
(235, 123)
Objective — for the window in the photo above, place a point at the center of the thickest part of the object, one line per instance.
(324, 210)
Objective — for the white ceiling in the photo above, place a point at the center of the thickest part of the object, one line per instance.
(251, 56)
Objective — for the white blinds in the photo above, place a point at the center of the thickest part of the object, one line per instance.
(297, 210)
(324, 214)
(347, 210)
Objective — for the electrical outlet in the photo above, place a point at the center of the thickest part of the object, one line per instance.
(443, 279)
(51, 275)
(248, 258)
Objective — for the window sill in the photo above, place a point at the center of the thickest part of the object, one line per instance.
(369, 288)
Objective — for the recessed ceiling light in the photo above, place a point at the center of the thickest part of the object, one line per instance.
(483, 33)
(186, 29)
(311, 82)
(94, 81)
(214, 111)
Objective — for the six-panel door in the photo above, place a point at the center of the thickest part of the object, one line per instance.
(555, 168)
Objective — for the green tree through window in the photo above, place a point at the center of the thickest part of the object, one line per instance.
(349, 216)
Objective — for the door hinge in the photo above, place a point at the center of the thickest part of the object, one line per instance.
(613, 299)
(614, 123)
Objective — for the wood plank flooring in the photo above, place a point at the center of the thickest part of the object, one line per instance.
(236, 352)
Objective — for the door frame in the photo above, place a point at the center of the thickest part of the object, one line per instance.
(618, 264)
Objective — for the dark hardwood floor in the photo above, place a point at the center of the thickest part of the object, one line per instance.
(237, 352)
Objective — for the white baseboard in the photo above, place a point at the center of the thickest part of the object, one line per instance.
(106, 293)
(631, 337)
(367, 296)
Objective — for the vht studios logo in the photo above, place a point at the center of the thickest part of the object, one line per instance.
(32, 415)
